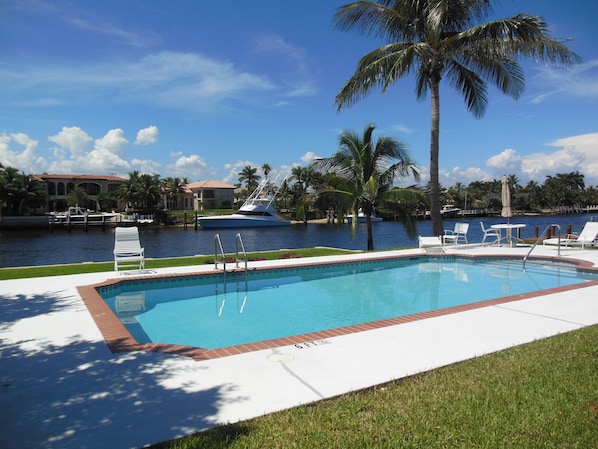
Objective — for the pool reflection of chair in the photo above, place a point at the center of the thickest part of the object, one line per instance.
(459, 233)
(129, 305)
(587, 236)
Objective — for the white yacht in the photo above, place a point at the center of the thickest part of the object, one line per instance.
(361, 218)
(450, 211)
(257, 211)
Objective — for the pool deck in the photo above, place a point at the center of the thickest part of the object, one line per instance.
(62, 387)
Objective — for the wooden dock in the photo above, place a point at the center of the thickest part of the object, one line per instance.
(85, 221)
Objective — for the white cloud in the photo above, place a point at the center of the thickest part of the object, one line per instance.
(291, 60)
(506, 162)
(179, 80)
(464, 176)
(73, 156)
(403, 129)
(575, 153)
(309, 157)
(119, 35)
(147, 135)
(233, 170)
(24, 159)
(73, 139)
(193, 167)
(578, 81)
(146, 166)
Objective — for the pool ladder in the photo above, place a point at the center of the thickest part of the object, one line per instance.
(540, 238)
(219, 251)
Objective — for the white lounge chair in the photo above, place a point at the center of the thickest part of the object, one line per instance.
(458, 234)
(127, 249)
(489, 232)
(587, 236)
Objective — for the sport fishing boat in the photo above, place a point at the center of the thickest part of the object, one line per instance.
(449, 211)
(257, 211)
(361, 218)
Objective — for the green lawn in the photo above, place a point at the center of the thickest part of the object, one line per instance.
(96, 267)
(540, 395)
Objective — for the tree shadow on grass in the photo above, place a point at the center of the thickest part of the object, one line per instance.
(76, 394)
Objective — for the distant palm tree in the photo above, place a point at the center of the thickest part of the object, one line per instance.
(436, 39)
(174, 188)
(305, 179)
(266, 169)
(368, 168)
(250, 177)
(77, 197)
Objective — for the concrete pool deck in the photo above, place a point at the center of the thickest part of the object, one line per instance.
(61, 386)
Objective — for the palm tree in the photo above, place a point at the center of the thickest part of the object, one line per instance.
(436, 39)
(77, 197)
(150, 192)
(306, 180)
(369, 169)
(266, 169)
(250, 176)
(174, 188)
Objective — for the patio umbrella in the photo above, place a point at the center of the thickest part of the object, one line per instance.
(506, 212)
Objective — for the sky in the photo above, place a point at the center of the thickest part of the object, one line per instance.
(201, 89)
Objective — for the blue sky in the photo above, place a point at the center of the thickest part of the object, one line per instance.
(201, 89)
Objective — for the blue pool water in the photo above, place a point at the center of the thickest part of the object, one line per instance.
(204, 312)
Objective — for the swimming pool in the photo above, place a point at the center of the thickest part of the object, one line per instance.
(206, 312)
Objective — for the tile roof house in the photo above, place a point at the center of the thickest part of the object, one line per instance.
(58, 187)
(211, 194)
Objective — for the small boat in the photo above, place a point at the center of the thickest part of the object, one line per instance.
(257, 211)
(449, 211)
(361, 218)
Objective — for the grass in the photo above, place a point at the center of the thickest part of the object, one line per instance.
(539, 395)
(96, 267)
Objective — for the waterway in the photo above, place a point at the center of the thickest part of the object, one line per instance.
(41, 247)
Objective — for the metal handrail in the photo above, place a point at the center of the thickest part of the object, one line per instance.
(239, 242)
(218, 243)
(540, 238)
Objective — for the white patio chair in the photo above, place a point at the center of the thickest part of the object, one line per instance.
(587, 236)
(489, 232)
(127, 249)
(457, 235)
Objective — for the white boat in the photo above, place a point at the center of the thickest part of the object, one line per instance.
(449, 211)
(362, 219)
(257, 211)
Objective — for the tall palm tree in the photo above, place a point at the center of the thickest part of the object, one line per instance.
(266, 169)
(250, 177)
(369, 168)
(438, 39)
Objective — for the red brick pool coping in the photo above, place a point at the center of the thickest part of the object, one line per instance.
(119, 339)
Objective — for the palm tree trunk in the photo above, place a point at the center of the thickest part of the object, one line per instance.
(368, 219)
(437, 227)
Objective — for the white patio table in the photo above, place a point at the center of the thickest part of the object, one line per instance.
(509, 228)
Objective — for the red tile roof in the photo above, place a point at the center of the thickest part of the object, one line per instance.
(210, 184)
(45, 176)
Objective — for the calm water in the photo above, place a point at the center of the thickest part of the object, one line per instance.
(279, 303)
(40, 247)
